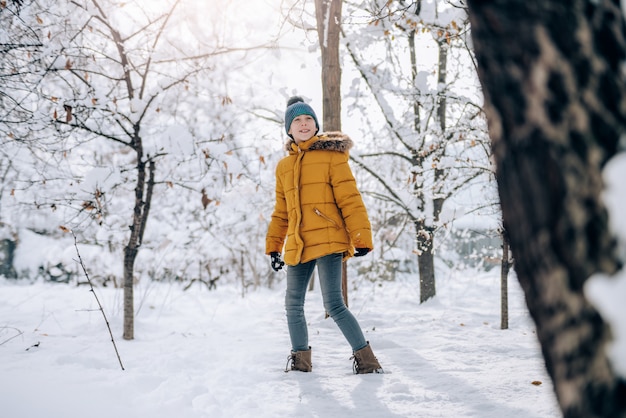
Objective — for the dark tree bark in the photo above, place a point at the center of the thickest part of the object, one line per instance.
(425, 259)
(328, 16)
(554, 89)
(505, 266)
(141, 210)
(424, 234)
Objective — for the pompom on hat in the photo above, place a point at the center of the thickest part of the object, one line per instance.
(295, 108)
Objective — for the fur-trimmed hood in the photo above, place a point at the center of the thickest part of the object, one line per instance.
(330, 141)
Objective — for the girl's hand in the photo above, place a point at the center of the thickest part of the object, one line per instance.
(277, 263)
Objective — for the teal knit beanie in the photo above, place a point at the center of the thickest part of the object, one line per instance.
(295, 108)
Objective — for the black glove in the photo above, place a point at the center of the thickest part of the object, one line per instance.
(277, 263)
(360, 252)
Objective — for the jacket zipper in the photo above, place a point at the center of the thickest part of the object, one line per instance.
(319, 213)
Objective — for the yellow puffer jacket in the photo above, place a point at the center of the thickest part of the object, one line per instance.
(318, 206)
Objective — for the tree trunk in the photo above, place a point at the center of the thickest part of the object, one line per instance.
(129, 308)
(423, 238)
(555, 101)
(425, 261)
(505, 265)
(426, 233)
(328, 16)
(143, 197)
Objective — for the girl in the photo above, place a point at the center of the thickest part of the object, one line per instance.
(320, 212)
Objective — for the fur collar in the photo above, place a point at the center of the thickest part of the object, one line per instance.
(331, 141)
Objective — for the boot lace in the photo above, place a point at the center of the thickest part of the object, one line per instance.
(355, 364)
(291, 358)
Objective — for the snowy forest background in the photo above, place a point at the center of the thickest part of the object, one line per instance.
(196, 92)
(138, 142)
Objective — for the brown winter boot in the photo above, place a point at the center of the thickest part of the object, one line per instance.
(300, 360)
(365, 361)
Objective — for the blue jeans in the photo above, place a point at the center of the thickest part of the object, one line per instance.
(298, 276)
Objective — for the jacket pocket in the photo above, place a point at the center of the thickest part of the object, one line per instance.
(328, 218)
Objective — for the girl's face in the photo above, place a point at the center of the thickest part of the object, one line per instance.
(302, 128)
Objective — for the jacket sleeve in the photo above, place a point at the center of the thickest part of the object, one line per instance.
(350, 203)
(277, 229)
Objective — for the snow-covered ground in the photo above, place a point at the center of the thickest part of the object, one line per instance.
(200, 353)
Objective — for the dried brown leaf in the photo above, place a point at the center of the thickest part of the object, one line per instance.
(205, 199)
